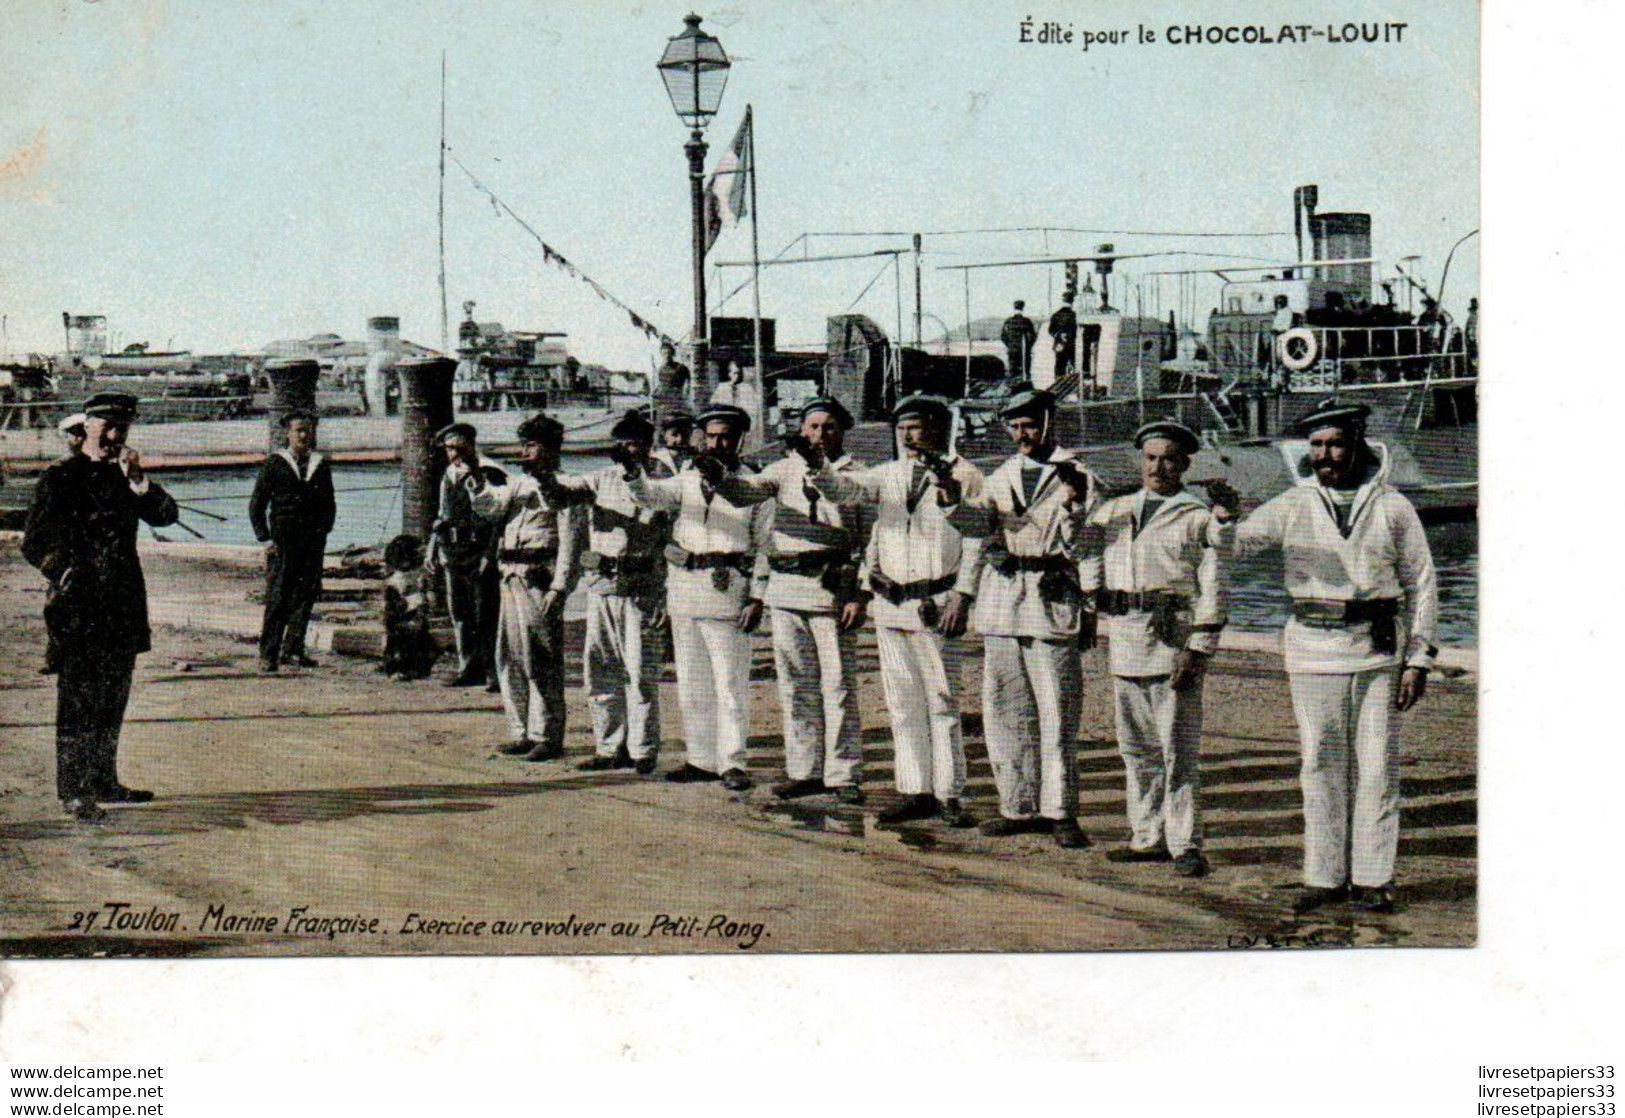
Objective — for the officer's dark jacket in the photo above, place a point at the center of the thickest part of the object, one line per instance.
(285, 507)
(83, 524)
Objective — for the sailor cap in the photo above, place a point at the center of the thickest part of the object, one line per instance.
(1172, 430)
(117, 406)
(633, 427)
(1329, 413)
(1028, 401)
(464, 431)
(725, 413)
(930, 407)
(543, 429)
(831, 406)
(72, 423)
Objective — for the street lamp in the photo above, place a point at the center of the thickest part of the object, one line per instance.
(695, 70)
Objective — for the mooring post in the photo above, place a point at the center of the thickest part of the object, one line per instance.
(293, 388)
(426, 407)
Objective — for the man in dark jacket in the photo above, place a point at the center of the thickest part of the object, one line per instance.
(80, 535)
(1063, 332)
(292, 511)
(1018, 336)
(465, 547)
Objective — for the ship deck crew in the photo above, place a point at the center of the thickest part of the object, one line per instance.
(921, 572)
(1164, 604)
(625, 573)
(710, 598)
(1018, 335)
(676, 447)
(292, 510)
(814, 604)
(538, 560)
(464, 548)
(1063, 332)
(1030, 613)
(80, 534)
(1358, 647)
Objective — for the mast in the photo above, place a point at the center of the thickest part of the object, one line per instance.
(756, 285)
(445, 318)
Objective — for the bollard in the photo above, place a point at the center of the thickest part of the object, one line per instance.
(425, 408)
(383, 350)
(293, 387)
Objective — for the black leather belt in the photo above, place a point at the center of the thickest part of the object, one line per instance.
(899, 592)
(530, 555)
(809, 563)
(1330, 613)
(709, 560)
(1010, 565)
(1116, 603)
(611, 566)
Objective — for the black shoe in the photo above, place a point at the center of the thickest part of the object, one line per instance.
(1002, 827)
(517, 748)
(1191, 864)
(796, 789)
(1313, 897)
(954, 815)
(1157, 853)
(84, 809)
(119, 794)
(268, 665)
(544, 753)
(735, 780)
(848, 793)
(467, 679)
(1372, 898)
(690, 774)
(600, 764)
(921, 806)
(300, 660)
(1069, 835)
(493, 687)
(645, 765)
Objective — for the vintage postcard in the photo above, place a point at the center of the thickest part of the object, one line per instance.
(501, 478)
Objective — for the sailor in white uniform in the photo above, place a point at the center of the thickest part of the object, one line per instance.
(711, 597)
(921, 572)
(1029, 612)
(1164, 602)
(538, 559)
(1358, 647)
(625, 573)
(814, 604)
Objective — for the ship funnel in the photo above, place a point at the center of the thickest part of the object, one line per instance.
(383, 334)
(1345, 236)
(1304, 201)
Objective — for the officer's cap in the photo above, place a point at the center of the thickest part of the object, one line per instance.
(1172, 430)
(543, 429)
(633, 427)
(116, 406)
(1028, 401)
(1021, 304)
(1329, 413)
(72, 424)
(831, 406)
(297, 413)
(463, 431)
(725, 413)
(926, 407)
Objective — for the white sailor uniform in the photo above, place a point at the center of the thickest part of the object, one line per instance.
(539, 552)
(914, 558)
(1364, 602)
(1163, 592)
(811, 569)
(709, 575)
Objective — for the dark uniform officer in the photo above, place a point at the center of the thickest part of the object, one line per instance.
(80, 534)
(465, 546)
(1018, 336)
(1063, 330)
(292, 512)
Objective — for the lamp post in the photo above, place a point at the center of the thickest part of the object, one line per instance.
(695, 70)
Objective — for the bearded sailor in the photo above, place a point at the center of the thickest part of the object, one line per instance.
(921, 573)
(1163, 600)
(1031, 613)
(814, 604)
(711, 597)
(538, 559)
(1359, 646)
(626, 595)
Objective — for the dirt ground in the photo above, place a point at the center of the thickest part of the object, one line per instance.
(330, 811)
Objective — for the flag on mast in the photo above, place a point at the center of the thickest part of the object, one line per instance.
(726, 197)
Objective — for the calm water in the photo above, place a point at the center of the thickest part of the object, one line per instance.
(369, 513)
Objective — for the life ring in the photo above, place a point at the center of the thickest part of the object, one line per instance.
(1296, 349)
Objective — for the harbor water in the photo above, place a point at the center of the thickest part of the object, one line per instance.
(369, 513)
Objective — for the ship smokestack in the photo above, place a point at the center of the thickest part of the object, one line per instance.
(1304, 200)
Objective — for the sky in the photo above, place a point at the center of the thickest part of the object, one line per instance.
(213, 176)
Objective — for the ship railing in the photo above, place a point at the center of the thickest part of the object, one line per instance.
(1346, 356)
(18, 415)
